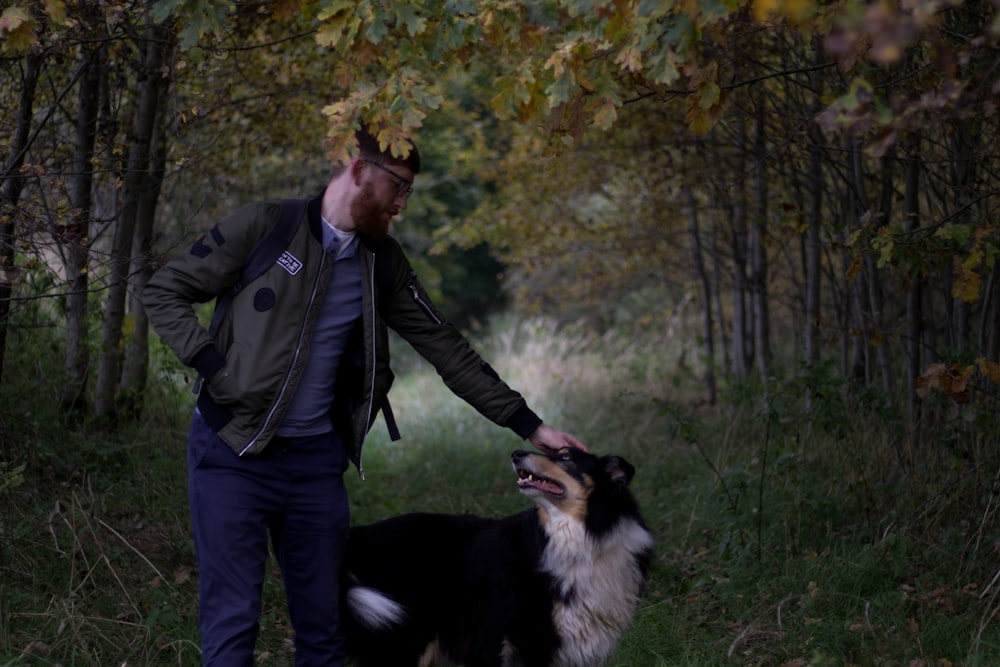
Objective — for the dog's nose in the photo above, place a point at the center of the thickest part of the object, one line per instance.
(518, 454)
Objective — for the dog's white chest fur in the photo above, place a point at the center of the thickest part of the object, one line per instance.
(599, 583)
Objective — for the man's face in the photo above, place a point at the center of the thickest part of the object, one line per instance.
(383, 195)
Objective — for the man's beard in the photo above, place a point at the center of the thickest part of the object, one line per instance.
(368, 215)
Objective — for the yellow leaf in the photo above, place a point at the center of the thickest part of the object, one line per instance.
(709, 95)
(989, 368)
(56, 9)
(960, 379)
(762, 9)
(630, 59)
(854, 269)
(606, 114)
(930, 380)
(557, 62)
(338, 24)
(800, 10)
(965, 283)
(699, 122)
(15, 29)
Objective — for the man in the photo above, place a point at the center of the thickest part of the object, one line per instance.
(292, 382)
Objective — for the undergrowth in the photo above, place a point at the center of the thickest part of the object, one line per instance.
(832, 534)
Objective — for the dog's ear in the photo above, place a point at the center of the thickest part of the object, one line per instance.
(620, 470)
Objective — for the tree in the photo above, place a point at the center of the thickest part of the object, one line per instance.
(15, 25)
(801, 111)
(75, 234)
(155, 42)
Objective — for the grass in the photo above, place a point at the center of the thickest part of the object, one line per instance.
(782, 538)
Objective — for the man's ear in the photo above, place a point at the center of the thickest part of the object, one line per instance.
(357, 168)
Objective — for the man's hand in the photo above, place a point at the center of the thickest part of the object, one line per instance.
(549, 439)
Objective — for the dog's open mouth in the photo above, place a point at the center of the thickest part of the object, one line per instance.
(527, 479)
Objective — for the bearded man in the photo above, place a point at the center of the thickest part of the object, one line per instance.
(290, 383)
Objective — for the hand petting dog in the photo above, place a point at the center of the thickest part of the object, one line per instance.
(549, 439)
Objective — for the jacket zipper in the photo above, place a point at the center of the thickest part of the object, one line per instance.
(295, 357)
(417, 299)
(371, 400)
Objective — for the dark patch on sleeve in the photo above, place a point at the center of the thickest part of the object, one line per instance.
(263, 299)
(200, 248)
(217, 236)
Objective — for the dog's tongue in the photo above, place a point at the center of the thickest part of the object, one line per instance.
(540, 484)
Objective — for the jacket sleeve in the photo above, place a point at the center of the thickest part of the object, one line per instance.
(410, 312)
(205, 271)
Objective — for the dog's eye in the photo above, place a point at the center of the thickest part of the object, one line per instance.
(564, 455)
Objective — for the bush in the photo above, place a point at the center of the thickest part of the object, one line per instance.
(788, 532)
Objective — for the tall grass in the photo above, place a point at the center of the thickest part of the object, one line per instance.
(784, 537)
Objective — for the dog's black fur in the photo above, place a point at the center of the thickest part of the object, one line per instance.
(554, 585)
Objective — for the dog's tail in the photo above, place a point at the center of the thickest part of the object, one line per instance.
(373, 609)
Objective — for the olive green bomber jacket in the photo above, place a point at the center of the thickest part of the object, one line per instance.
(256, 360)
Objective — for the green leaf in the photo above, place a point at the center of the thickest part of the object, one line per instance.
(408, 17)
(559, 91)
(885, 253)
(512, 92)
(339, 25)
(960, 234)
(163, 9)
(605, 114)
(15, 29)
(709, 95)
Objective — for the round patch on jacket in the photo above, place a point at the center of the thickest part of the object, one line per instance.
(263, 299)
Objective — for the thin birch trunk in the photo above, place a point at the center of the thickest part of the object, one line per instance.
(875, 290)
(742, 340)
(136, 362)
(10, 193)
(76, 235)
(136, 179)
(859, 368)
(706, 297)
(758, 251)
(814, 243)
(914, 295)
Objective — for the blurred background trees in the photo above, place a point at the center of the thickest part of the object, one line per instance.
(816, 183)
(752, 246)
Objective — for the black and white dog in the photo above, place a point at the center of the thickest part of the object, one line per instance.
(556, 585)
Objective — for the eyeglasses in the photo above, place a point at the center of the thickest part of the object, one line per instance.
(403, 188)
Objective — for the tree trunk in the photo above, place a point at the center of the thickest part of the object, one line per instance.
(814, 242)
(858, 313)
(136, 364)
(875, 291)
(990, 323)
(706, 297)
(914, 295)
(814, 266)
(75, 235)
(758, 251)
(717, 274)
(11, 192)
(149, 83)
(963, 175)
(742, 341)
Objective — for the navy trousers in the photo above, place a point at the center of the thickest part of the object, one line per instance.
(294, 494)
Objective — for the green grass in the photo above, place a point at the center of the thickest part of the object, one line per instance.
(782, 538)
